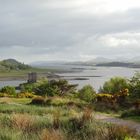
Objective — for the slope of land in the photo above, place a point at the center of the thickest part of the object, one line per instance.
(12, 64)
(11, 69)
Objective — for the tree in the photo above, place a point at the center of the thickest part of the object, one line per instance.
(114, 85)
(62, 86)
(87, 93)
(55, 87)
(134, 86)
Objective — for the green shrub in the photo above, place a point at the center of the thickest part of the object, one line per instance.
(46, 89)
(134, 86)
(28, 87)
(87, 93)
(114, 85)
(55, 87)
(136, 104)
(130, 113)
(9, 90)
(38, 101)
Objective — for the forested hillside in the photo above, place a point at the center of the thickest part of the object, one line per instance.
(12, 64)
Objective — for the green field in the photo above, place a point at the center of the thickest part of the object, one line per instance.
(22, 74)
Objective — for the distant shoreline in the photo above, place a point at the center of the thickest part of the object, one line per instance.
(12, 78)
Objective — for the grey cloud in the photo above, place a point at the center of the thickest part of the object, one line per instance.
(59, 31)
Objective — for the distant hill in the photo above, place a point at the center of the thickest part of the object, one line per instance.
(114, 62)
(12, 64)
(119, 64)
(44, 64)
(99, 61)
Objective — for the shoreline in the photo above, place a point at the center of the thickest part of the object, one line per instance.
(2, 79)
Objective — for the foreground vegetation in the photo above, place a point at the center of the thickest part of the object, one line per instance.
(61, 119)
(56, 110)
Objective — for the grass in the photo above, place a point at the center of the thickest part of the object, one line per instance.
(112, 114)
(32, 109)
(23, 101)
(22, 74)
(62, 119)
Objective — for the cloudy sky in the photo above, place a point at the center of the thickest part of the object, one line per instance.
(34, 30)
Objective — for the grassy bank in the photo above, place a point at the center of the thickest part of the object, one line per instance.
(22, 74)
(61, 119)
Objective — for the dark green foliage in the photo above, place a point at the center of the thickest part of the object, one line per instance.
(54, 87)
(114, 85)
(45, 89)
(62, 87)
(38, 101)
(107, 108)
(87, 93)
(28, 87)
(9, 90)
(134, 86)
(129, 113)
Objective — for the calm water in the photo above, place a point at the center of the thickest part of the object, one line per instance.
(104, 73)
(10, 83)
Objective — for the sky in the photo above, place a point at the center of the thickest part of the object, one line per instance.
(70, 30)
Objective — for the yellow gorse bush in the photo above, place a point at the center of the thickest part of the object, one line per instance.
(25, 95)
(105, 97)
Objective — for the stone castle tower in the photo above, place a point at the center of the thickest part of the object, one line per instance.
(32, 77)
